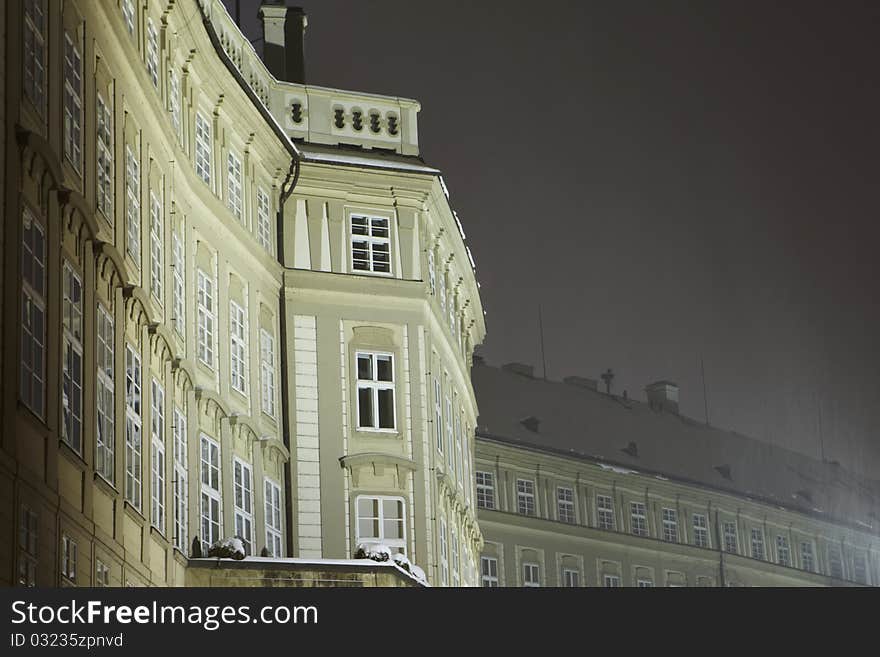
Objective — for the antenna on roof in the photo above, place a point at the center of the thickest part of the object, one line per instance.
(705, 399)
(541, 333)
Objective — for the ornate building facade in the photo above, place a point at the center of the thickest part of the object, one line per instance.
(245, 307)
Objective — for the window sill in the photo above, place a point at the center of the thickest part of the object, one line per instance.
(72, 455)
(105, 485)
(158, 535)
(378, 433)
(134, 514)
(32, 417)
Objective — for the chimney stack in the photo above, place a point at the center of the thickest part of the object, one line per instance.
(284, 32)
(663, 396)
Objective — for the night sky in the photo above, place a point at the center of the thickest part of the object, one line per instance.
(668, 180)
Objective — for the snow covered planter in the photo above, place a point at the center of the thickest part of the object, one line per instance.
(374, 551)
(227, 548)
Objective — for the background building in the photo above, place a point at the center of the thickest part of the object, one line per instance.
(199, 353)
(577, 487)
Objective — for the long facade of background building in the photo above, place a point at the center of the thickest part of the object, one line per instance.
(577, 487)
(246, 308)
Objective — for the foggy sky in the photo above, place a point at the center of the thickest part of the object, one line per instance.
(669, 180)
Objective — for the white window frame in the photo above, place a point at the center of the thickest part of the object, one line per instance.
(611, 581)
(128, 15)
(206, 291)
(32, 378)
(783, 551)
(444, 554)
(104, 172)
(102, 573)
(204, 149)
(398, 543)
(238, 348)
(174, 100)
(105, 396)
(525, 497)
(180, 486)
(605, 512)
(571, 578)
(274, 518)
(152, 47)
(210, 492)
(454, 557)
(758, 550)
(644, 583)
(700, 524)
(73, 112)
(438, 415)
(459, 459)
(372, 244)
(808, 556)
(731, 538)
(234, 184)
(133, 426)
(565, 505)
(178, 284)
(835, 558)
(243, 496)
(450, 435)
(68, 558)
(72, 358)
(157, 249)
(36, 27)
(670, 524)
(638, 519)
(375, 387)
(489, 572)
(267, 372)
(432, 273)
(860, 567)
(531, 574)
(264, 226)
(28, 539)
(132, 206)
(485, 489)
(157, 455)
(443, 292)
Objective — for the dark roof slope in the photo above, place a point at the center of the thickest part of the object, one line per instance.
(577, 421)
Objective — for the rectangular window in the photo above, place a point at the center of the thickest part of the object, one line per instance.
(670, 525)
(442, 292)
(73, 90)
(205, 312)
(35, 27)
(181, 494)
(466, 476)
(375, 391)
(757, 543)
(128, 15)
(432, 273)
(382, 520)
(264, 227)
(267, 372)
(453, 555)
(152, 53)
(233, 184)
(28, 532)
(485, 490)
(211, 501)
(370, 244)
(701, 530)
(132, 427)
(157, 432)
(178, 308)
(458, 455)
(611, 581)
(860, 568)
(105, 397)
(238, 348)
(273, 519)
(571, 579)
(438, 415)
(450, 435)
(808, 560)
(157, 249)
(489, 571)
(32, 389)
(174, 100)
(604, 512)
(531, 575)
(835, 563)
(638, 518)
(72, 365)
(565, 504)
(102, 573)
(731, 544)
(68, 558)
(525, 497)
(133, 205)
(444, 556)
(243, 483)
(104, 153)
(783, 551)
(204, 148)
(645, 583)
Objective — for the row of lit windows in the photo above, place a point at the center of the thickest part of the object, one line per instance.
(452, 435)
(456, 567)
(700, 534)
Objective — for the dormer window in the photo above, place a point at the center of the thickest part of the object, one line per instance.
(370, 244)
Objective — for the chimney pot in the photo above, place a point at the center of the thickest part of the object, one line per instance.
(284, 30)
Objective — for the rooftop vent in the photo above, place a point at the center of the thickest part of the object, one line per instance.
(520, 368)
(531, 423)
(663, 396)
(724, 471)
(632, 449)
(581, 382)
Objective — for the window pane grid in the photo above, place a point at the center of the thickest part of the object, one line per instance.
(370, 244)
